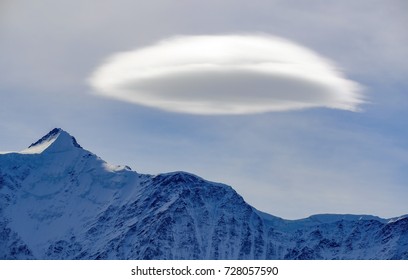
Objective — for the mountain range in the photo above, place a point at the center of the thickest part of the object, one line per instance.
(60, 201)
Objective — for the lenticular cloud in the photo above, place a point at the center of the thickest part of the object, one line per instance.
(229, 74)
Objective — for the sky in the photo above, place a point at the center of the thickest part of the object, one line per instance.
(300, 106)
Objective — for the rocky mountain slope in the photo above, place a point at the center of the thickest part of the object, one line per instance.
(60, 201)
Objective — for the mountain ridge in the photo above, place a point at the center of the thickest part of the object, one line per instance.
(60, 201)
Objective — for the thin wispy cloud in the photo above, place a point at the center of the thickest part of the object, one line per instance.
(226, 74)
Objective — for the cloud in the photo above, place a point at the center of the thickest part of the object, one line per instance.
(226, 74)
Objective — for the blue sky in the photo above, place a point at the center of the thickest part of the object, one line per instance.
(290, 164)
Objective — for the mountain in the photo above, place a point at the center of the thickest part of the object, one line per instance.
(60, 201)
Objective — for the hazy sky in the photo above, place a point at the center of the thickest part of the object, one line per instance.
(299, 105)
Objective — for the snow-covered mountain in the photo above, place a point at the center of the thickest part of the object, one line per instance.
(60, 201)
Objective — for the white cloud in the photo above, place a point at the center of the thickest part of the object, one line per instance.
(226, 74)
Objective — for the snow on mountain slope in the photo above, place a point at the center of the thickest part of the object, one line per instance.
(60, 201)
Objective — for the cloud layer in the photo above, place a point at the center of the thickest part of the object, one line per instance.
(226, 74)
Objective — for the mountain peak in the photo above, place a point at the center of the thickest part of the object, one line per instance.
(57, 140)
(66, 203)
